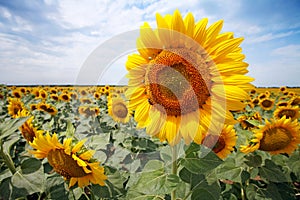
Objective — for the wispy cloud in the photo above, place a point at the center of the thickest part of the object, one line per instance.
(49, 40)
(271, 36)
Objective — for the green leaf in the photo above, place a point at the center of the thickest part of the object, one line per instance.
(99, 141)
(192, 149)
(271, 192)
(55, 187)
(30, 165)
(5, 188)
(149, 197)
(10, 126)
(156, 180)
(32, 182)
(272, 172)
(206, 192)
(253, 122)
(253, 160)
(191, 178)
(229, 171)
(208, 161)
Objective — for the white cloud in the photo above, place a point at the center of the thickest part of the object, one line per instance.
(270, 36)
(84, 25)
(288, 52)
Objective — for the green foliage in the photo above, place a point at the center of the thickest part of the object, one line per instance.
(138, 166)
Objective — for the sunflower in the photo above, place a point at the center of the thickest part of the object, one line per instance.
(97, 95)
(86, 100)
(283, 89)
(266, 103)
(17, 93)
(295, 101)
(53, 90)
(33, 106)
(42, 94)
(54, 97)
(88, 111)
(28, 131)
(15, 105)
(288, 111)
(262, 96)
(118, 109)
(73, 95)
(255, 101)
(73, 162)
(47, 108)
(249, 121)
(278, 136)
(83, 92)
(184, 77)
(253, 91)
(282, 104)
(65, 97)
(36, 91)
(23, 90)
(222, 144)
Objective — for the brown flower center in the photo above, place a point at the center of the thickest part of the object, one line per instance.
(28, 132)
(64, 164)
(267, 103)
(275, 139)
(289, 113)
(178, 80)
(119, 110)
(214, 142)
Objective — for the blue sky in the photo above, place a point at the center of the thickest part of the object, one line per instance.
(50, 41)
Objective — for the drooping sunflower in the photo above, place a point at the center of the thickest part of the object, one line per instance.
(295, 101)
(288, 111)
(118, 109)
(250, 120)
(73, 95)
(88, 111)
(73, 162)
(278, 136)
(47, 108)
(185, 76)
(28, 131)
(222, 144)
(86, 100)
(15, 105)
(54, 97)
(282, 104)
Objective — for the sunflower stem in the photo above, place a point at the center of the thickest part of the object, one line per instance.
(7, 159)
(174, 168)
(242, 192)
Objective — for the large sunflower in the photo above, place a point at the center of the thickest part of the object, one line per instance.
(73, 162)
(279, 136)
(222, 144)
(184, 77)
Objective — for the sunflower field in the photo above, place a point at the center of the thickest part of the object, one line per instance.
(189, 125)
(82, 143)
